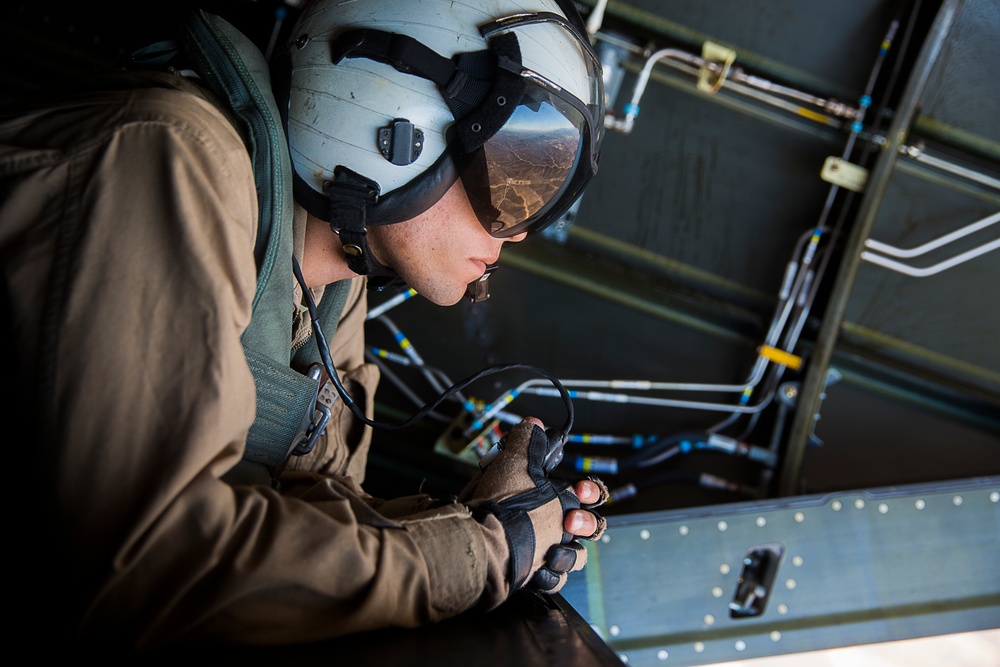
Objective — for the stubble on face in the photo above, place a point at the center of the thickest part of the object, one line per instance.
(439, 252)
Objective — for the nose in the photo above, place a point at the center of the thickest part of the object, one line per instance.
(517, 238)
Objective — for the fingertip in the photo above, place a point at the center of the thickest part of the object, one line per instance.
(587, 491)
(580, 523)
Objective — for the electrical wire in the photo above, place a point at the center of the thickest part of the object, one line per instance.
(414, 356)
(334, 377)
(402, 387)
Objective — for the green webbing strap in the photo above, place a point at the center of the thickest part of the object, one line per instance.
(235, 70)
(285, 403)
(286, 399)
(283, 396)
(233, 67)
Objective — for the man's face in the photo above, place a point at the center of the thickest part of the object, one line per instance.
(439, 252)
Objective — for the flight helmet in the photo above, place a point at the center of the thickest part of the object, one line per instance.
(388, 103)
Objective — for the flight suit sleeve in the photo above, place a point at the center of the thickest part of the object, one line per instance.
(148, 287)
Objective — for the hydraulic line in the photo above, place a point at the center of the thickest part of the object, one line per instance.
(333, 377)
(411, 352)
(812, 388)
(936, 243)
(790, 287)
(807, 292)
(934, 269)
(648, 451)
(607, 397)
(391, 303)
(917, 153)
(856, 129)
(734, 78)
(703, 480)
(632, 108)
(800, 284)
(596, 17)
(403, 388)
(768, 355)
(806, 283)
(666, 448)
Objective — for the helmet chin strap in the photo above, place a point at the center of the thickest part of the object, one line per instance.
(350, 196)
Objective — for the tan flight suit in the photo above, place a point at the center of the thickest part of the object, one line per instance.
(127, 223)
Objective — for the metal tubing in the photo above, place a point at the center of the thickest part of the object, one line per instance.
(951, 168)
(672, 31)
(815, 378)
(933, 244)
(934, 269)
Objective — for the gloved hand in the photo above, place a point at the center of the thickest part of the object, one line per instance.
(518, 504)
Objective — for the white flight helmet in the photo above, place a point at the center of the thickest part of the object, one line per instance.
(390, 101)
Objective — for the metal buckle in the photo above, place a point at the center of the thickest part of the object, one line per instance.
(325, 398)
(479, 290)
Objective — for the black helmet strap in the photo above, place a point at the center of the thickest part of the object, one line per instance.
(480, 95)
(463, 81)
(349, 197)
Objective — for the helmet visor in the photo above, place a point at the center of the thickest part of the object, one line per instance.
(524, 170)
(534, 167)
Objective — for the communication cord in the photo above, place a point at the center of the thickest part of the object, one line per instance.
(331, 371)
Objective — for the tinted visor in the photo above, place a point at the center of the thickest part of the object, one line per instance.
(524, 170)
(534, 167)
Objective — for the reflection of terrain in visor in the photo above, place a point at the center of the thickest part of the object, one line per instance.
(523, 169)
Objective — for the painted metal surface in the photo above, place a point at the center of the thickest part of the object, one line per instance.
(855, 567)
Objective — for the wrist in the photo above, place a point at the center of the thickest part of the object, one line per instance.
(457, 555)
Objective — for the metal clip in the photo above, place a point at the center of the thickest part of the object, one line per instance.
(493, 452)
(718, 61)
(400, 142)
(325, 398)
(480, 289)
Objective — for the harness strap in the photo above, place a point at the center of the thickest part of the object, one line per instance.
(350, 196)
(286, 397)
(285, 403)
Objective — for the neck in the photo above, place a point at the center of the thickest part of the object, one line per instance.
(323, 260)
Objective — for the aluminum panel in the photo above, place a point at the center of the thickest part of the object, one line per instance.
(857, 567)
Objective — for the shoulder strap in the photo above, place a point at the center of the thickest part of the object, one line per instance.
(236, 71)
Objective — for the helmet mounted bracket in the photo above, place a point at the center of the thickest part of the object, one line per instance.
(400, 142)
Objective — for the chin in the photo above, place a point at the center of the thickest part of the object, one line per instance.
(441, 295)
(449, 300)
(441, 287)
